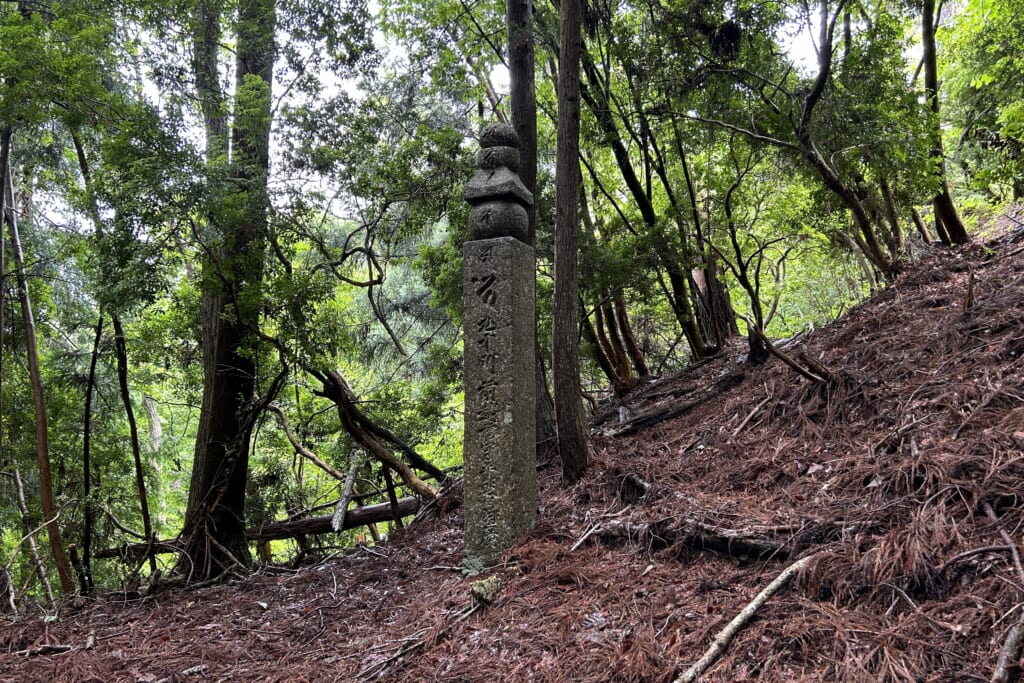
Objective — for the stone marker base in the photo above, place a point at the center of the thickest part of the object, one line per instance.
(498, 448)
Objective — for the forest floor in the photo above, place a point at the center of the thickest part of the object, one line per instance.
(901, 479)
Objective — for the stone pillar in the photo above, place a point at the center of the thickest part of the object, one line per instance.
(498, 288)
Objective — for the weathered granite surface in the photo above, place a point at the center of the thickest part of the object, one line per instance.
(499, 327)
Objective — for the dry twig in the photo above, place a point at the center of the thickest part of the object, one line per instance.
(782, 355)
(750, 416)
(1011, 644)
(379, 667)
(725, 636)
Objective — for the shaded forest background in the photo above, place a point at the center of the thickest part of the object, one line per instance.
(232, 235)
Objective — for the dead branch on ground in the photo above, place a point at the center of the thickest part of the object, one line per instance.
(812, 369)
(375, 669)
(1011, 644)
(650, 418)
(369, 514)
(338, 518)
(368, 435)
(725, 636)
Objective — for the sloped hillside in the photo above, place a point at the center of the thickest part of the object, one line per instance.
(898, 471)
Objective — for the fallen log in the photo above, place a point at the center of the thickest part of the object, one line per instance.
(660, 414)
(134, 551)
(321, 525)
(368, 514)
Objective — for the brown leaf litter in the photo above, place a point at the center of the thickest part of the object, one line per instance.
(678, 524)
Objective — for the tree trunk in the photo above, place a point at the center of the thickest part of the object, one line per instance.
(50, 512)
(605, 355)
(523, 106)
(616, 349)
(214, 531)
(27, 526)
(942, 204)
(600, 357)
(547, 430)
(573, 443)
(156, 432)
(206, 39)
(869, 241)
(121, 353)
(922, 229)
(678, 294)
(897, 243)
(636, 355)
(88, 518)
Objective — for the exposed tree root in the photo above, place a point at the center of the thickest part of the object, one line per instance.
(751, 543)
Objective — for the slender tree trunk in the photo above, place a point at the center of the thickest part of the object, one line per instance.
(154, 439)
(121, 353)
(156, 432)
(615, 346)
(945, 211)
(621, 384)
(206, 39)
(600, 357)
(897, 243)
(46, 499)
(88, 520)
(573, 446)
(523, 106)
(26, 524)
(922, 229)
(522, 96)
(681, 305)
(869, 241)
(678, 294)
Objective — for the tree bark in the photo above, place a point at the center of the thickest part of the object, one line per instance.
(615, 344)
(360, 516)
(206, 39)
(922, 229)
(636, 355)
(46, 499)
(88, 521)
(897, 242)
(156, 432)
(605, 355)
(121, 353)
(26, 524)
(214, 531)
(600, 357)
(366, 515)
(523, 107)
(573, 443)
(942, 203)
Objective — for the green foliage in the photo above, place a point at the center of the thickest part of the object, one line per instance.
(986, 96)
(374, 120)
